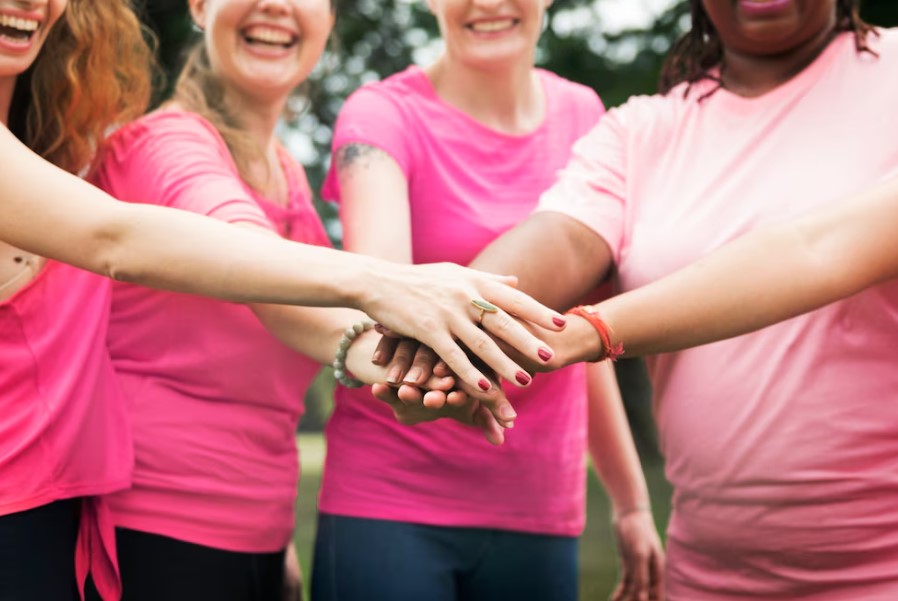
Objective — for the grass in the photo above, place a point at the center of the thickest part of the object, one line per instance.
(598, 559)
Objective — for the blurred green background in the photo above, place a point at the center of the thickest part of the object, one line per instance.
(614, 46)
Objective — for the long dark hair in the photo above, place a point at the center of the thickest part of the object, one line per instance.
(700, 50)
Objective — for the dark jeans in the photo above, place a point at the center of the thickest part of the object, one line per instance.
(159, 568)
(360, 559)
(37, 553)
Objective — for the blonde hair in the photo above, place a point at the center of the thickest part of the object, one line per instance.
(94, 72)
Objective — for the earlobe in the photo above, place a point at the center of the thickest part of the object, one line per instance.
(198, 12)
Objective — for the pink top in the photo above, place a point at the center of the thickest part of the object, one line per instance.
(781, 445)
(63, 427)
(467, 185)
(215, 399)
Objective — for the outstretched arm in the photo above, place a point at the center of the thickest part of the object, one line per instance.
(767, 276)
(55, 214)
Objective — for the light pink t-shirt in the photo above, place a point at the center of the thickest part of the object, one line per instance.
(63, 428)
(782, 445)
(214, 397)
(467, 184)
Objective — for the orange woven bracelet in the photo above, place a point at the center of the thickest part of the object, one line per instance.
(591, 314)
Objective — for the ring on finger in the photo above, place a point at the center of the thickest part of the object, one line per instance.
(484, 307)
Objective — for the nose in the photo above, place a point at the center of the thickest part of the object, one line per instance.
(274, 7)
(487, 5)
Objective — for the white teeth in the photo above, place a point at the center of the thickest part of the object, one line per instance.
(18, 23)
(490, 26)
(268, 35)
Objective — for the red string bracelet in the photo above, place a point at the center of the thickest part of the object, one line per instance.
(591, 314)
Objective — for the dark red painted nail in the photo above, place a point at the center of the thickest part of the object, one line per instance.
(484, 385)
(559, 321)
(522, 377)
(544, 353)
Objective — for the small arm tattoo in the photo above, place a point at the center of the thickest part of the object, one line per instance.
(354, 156)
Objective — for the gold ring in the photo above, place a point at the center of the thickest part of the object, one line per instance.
(484, 307)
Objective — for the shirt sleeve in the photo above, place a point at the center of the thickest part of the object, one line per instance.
(178, 160)
(592, 187)
(371, 117)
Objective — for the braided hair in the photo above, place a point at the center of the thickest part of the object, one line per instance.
(699, 50)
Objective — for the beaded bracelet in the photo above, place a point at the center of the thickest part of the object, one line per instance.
(591, 314)
(339, 364)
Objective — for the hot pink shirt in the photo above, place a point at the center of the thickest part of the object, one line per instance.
(63, 428)
(467, 184)
(215, 399)
(782, 445)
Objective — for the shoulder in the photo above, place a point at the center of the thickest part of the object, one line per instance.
(570, 91)
(398, 92)
(164, 129)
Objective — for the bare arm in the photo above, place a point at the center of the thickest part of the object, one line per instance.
(52, 213)
(767, 276)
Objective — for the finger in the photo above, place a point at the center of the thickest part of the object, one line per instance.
(508, 329)
(489, 352)
(441, 369)
(457, 398)
(422, 366)
(520, 305)
(410, 395)
(657, 576)
(434, 399)
(401, 361)
(384, 350)
(498, 404)
(385, 331)
(492, 431)
(640, 570)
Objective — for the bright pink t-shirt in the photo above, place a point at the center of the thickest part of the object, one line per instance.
(782, 445)
(63, 428)
(467, 185)
(214, 397)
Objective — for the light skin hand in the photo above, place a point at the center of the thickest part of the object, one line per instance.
(293, 581)
(641, 557)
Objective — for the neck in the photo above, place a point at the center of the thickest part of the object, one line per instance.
(752, 75)
(508, 100)
(258, 118)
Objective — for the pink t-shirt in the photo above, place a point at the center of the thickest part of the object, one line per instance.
(63, 427)
(214, 397)
(467, 184)
(782, 445)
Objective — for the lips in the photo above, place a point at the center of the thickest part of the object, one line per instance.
(764, 8)
(17, 29)
(270, 36)
(492, 25)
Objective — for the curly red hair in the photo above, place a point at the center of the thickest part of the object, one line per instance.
(94, 72)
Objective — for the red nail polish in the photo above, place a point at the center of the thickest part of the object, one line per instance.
(544, 353)
(559, 321)
(484, 385)
(522, 377)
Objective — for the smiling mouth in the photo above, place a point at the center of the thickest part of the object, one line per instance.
(259, 35)
(17, 29)
(492, 26)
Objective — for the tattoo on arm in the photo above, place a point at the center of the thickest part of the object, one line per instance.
(356, 156)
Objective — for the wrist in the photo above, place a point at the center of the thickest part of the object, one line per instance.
(580, 341)
(344, 350)
(619, 513)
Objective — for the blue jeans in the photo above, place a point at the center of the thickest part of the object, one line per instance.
(359, 559)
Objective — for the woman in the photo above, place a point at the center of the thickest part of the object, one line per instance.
(779, 444)
(68, 72)
(426, 514)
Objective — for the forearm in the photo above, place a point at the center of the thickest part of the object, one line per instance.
(611, 443)
(59, 216)
(765, 277)
(557, 259)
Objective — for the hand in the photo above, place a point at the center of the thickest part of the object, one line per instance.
(292, 590)
(432, 303)
(412, 364)
(462, 408)
(641, 558)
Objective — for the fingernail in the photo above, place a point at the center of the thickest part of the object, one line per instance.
(522, 377)
(378, 357)
(413, 375)
(507, 413)
(378, 328)
(559, 321)
(544, 353)
(393, 376)
(483, 384)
